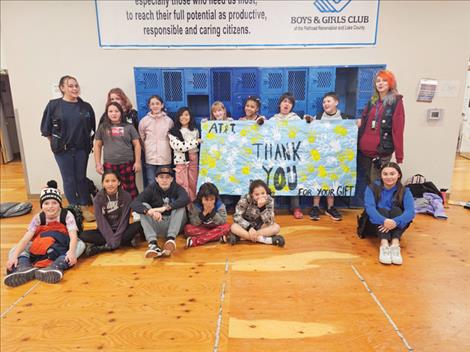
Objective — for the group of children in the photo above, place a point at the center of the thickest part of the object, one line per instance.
(170, 204)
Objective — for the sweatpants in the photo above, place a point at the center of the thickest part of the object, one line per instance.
(95, 236)
(168, 227)
(186, 175)
(202, 234)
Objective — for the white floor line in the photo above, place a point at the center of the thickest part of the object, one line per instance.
(382, 308)
(219, 318)
(18, 300)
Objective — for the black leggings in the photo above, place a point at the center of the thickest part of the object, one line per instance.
(95, 236)
(396, 232)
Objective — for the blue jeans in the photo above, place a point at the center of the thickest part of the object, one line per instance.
(72, 165)
(151, 171)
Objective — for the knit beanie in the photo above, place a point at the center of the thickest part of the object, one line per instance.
(50, 192)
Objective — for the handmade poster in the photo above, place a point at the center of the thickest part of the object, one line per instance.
(292, 157)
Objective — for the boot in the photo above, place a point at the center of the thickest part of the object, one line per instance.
(21, 274)
(93, 249)
(87, 215)
(53, 273)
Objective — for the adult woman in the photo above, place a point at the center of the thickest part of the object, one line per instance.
(381, 128)
(69, 124)
(380, 132)
(130, 115)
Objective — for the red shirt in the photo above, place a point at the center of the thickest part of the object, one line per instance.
(370, 139)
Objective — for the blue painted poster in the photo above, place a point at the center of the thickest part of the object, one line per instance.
(292, 157)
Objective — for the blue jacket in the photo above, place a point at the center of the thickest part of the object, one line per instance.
(386, 202)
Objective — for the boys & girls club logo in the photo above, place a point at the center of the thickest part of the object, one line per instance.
(334, 6)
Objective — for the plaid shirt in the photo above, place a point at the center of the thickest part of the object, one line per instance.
(247, 214)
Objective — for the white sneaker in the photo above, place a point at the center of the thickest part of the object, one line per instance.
(135, 216)
(385, 256)
(395, 254)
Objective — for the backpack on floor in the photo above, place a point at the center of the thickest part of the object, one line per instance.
(418, 185)
(11, 209)
(74, 209)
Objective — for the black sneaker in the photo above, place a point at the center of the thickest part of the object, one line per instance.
(278, 240)
(315, 213)
(20, 276)
(154, 251)
(334, 214)
(51, 274)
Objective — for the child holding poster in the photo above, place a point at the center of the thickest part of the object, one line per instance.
(184, 140)
(254, 217)
(251, 108)
(330, 113)
(286, 105)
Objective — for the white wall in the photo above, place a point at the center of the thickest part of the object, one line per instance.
(417, 39)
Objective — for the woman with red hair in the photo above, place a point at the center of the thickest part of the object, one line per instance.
(381, 128)
(117, 95)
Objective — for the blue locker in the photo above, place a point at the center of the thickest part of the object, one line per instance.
(245, 80)
(297, 85)
(173, 90)
(142, 107)
(148, 80)
(196, 81)
(221, 89)
(321, 80)
(272, 81)
(315, 103)
(269, 105)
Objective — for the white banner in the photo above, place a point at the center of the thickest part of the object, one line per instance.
(236, 23)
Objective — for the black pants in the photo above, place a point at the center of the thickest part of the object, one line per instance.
(396, 232)
(95, 236)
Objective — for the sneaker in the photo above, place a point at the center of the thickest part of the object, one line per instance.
(50, 274)
(385, 256)
(154, 251)
(315, 213)
(168, 248)
(334, 214)
(20, 276)
(395, 254)
(278, 240)
(189, 242)
(233, 239)
(298, 213)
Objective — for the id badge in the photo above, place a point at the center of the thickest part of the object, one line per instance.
(373, 124)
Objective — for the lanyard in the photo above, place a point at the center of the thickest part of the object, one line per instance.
(375, 120)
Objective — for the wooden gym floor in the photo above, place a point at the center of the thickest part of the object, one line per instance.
(325, 291)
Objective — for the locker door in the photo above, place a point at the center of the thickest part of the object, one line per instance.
(173, 91)
(196, 81)
(148, 81)
(221, 90)
(297, 85)
(245, 80)
(321, 80)
(269, 105)
(272, 81)
(365, 86)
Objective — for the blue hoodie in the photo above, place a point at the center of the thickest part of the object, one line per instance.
(386, 202)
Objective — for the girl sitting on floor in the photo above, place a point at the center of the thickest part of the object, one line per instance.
(207, 216)
(254, 217)
(390, 207)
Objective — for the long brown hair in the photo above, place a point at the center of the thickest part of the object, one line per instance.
(400, 188)
(106, 125)
(127, 105)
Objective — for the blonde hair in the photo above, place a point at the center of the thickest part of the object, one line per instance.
(218, 105)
